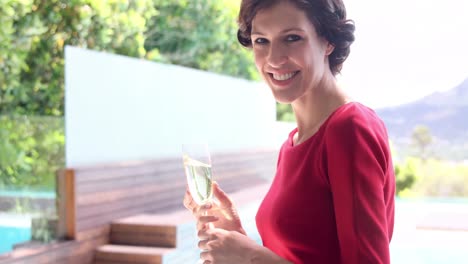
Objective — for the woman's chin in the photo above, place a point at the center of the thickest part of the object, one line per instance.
(284, 100)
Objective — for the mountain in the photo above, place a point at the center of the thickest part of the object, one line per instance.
(457, 96)
(445, 113)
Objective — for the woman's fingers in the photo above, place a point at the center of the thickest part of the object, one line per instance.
(205, 220)
(203, 244)
(190, 204)
(206, 256)
(204, 209)
(203, 234)
(223, 198)
(188, 200)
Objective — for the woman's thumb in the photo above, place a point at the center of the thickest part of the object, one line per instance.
(221, 195)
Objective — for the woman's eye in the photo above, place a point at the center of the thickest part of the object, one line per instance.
(260, 41)
(292, 38)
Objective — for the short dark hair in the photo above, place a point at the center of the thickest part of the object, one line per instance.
(327, 16)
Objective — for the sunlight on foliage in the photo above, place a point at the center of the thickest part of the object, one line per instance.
(31, 152)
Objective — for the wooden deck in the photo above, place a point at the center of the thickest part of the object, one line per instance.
(132, 212)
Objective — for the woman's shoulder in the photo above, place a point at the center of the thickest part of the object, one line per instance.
(355, 116)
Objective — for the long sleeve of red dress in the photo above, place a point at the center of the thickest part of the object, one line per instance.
(332, 199)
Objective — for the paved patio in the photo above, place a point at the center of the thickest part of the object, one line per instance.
(425, 233)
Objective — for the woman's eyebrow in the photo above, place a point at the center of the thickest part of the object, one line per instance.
(282, 31)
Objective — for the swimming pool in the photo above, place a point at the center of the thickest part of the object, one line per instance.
(11, 235)
(14, 229)
(37, 194)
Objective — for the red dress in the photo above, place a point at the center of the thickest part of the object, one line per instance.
(332, 199)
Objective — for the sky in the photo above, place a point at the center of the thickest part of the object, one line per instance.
(405, 49)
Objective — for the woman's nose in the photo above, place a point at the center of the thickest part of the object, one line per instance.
(277, 56)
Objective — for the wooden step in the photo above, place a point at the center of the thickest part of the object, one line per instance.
(119, 254)
(149, 230)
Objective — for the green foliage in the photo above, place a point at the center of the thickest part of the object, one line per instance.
(285, 113)
(442, 179)
(421, 140)
(43, 228)
(32, 40)
(14, 46)
(431, 178)
(405, 175)
(22, 206)
(32, 150)
(199, 34)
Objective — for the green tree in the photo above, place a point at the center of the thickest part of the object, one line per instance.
(421, 140)
(405, 175)
(14, 46)
(31, 150)
(33, 39)
(441, 179)
(200, 34)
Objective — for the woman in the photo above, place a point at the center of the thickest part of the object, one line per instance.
(332, 199)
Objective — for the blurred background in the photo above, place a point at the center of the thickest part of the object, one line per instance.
(409, 63)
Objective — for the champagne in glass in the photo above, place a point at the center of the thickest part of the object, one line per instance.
(197, 165)
(199, 179)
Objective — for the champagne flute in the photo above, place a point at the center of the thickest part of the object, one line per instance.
(197, 165)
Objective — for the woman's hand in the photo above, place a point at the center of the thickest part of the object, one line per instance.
(221, 214)
(230, 247)
(226, 247)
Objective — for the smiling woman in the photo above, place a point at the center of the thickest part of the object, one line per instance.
(288, 52)
(332, 198)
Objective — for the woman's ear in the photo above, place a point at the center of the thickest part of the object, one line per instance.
(330, 49)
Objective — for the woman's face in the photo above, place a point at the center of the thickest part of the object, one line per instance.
(289, 54)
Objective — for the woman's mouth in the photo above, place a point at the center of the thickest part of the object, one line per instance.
(282, 79)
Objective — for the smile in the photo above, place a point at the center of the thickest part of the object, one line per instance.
(283, 77)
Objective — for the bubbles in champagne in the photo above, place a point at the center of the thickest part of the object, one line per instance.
(199, 179)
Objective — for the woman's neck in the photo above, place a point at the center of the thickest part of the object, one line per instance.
(313, 109)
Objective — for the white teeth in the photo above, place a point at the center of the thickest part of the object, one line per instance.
(283, 77)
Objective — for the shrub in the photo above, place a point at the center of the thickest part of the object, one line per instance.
(31, 151)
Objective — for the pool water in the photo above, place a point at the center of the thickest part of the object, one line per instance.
(16, 228)
(10, 235)
(18, 193)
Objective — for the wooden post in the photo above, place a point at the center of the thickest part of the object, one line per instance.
(66, 206)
